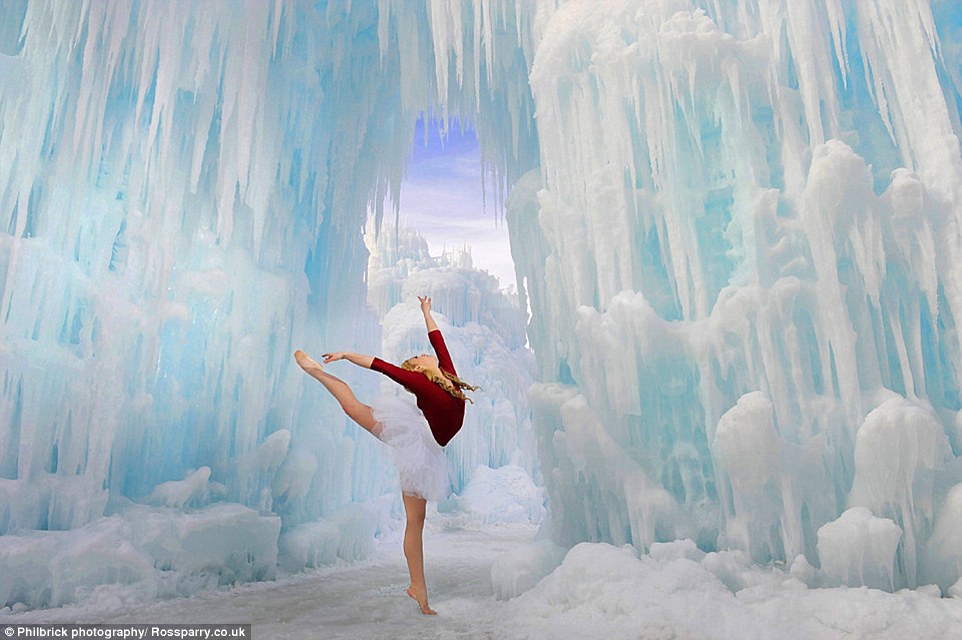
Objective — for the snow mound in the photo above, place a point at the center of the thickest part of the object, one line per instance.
(603, 591)
(506, 494)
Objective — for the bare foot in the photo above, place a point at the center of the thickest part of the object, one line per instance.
(306, 362)
(425, 609)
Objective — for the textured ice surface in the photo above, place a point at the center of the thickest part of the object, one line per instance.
(742, 242)
(859, 548)
(347, 534)
(179, 493)
(899, 451)
(942, 558)
(144, 553)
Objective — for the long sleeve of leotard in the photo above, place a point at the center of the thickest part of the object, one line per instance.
(412, 380)
(441, 349)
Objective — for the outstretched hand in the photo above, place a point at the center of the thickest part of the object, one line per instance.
(426, 310)
(333, 356)
(425, 304)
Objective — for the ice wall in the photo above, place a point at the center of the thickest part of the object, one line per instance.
(167, 201)
(742, 245)
(183, 191)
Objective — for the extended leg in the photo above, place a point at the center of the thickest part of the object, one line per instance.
(414, 508)
(354, 408)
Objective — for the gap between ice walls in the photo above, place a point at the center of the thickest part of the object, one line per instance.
(736, 225)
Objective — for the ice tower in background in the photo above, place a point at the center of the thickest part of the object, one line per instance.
(735, 222)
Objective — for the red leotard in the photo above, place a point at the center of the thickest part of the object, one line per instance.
(444, 412)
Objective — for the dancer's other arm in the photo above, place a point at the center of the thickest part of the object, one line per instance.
(357, 358)
(426, 310)
(434, 335)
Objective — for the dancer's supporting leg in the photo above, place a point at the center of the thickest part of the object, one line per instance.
(354, 408)
(414, 507)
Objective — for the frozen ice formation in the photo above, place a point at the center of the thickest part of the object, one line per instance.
(859, 548)
(184, 193)
(742, 244)
(736, 227)
(142, 554)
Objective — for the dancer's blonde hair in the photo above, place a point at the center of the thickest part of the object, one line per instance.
(447, 381)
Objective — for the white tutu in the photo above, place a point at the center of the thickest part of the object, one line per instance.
(420, 460)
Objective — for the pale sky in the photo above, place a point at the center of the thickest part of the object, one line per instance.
(441, 198)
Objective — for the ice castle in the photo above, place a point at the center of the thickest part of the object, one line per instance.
(735, 223)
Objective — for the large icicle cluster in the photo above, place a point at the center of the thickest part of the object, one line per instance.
(183, 191)
(168, 204)
(741, 255)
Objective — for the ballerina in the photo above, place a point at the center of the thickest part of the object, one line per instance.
(416, 434)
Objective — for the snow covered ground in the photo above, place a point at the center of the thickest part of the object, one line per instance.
(360, 600)
(599, 591)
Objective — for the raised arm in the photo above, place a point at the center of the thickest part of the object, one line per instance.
(356, 358)
(426, 310)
